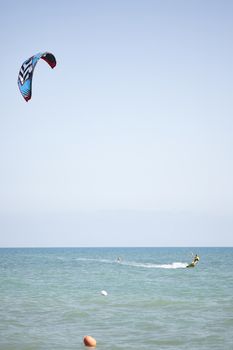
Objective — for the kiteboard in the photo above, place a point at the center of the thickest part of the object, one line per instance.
(192, 264)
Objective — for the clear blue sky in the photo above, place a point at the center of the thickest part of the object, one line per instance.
(128, 141)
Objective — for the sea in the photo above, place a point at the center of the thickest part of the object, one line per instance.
(125, 298)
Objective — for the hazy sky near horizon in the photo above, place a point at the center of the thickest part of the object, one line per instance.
(128, 141)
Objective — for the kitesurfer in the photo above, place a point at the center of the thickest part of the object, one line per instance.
(196, 259)
(194, 262)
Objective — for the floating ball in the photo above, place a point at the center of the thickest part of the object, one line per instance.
(89, 341)
(103, 292)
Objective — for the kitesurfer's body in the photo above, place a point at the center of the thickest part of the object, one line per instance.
(194, 262)
(196, 259)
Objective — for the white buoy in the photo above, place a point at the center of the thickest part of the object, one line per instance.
(103, 292)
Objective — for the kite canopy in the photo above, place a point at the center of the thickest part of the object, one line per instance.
(27, 69)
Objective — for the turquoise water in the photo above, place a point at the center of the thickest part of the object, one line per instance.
(51, 298)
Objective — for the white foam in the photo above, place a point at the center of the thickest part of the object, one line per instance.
(174, 265)
(107, 261)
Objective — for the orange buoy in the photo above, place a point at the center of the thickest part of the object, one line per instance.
(89, 341)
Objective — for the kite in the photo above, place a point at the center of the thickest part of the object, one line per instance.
(27, 69)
